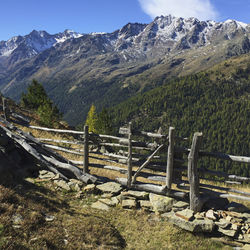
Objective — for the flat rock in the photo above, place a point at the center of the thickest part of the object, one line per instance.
(195, 226)
(100, 205)
(136, 194)
(199, 216)
(236, 207)
(181, 204)
(110, 187)
(247, 238)
(74, 186)
(115, 200)
(223, 223)
(75, 181)
(107, 195)
(108, 202)
(210, 214)
(161, 203)
(129, 204)
(235, 226)
(231, 233)
(90, 188)
(44, 174)
(236, 215)
(145, 204)
(185, 214)
(62, 184)
(246, 247)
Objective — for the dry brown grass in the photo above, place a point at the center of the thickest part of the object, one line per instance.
(77, 226)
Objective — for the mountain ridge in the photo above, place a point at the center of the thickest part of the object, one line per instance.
(106, 68)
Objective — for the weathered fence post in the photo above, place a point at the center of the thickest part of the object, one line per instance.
(86, 150)
(194, 196)
(170, 160)
(129, 155)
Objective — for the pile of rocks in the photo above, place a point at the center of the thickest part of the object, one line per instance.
(73, 184)
(232, 222)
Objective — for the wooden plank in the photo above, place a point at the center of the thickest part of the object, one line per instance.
(61, 141)
(146, 163)
(105, 136)
(193, 177)
(170, 162)
(57, 130)
(86, 150)
(153, 188)
(223, 156)
(241, 159)
(232, 196)
(62, 149)
(138, 144)
(124, 131)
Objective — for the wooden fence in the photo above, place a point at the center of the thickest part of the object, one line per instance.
(138, 150)
(141, 154)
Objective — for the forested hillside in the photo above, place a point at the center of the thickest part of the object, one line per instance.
(215, 102)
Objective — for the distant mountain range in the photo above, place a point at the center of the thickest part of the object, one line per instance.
(107, 68)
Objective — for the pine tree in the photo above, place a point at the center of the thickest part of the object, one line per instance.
(104, 122)
(92, 119)
(35, 96)
(37, 99)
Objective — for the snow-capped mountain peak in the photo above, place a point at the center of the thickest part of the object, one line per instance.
(35, 42)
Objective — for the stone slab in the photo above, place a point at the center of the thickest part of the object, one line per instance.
(100, 205)
(110, 187)
(129, 204)
(160, 203)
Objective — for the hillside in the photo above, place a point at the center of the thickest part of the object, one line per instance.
(108, 68)
(36, 213)
(215, 102)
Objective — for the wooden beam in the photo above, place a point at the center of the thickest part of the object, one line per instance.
(193, 177)
(86, 150)
(57, 130)
(63, 149)
(146, 162)
(170, 162)
(61, 141)
(223, 156)
(153, 188)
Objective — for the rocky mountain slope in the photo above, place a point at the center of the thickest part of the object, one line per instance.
(107, 68)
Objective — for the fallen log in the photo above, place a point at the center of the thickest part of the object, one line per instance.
(46, 159)
(84, 177)
(153, 189)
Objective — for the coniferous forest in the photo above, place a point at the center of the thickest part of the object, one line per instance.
(217, 106)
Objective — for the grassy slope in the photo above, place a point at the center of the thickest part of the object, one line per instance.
(81, 226)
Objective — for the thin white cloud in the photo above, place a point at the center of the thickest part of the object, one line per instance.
(201, 9)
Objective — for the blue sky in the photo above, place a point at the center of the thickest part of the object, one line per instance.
(20, 17)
